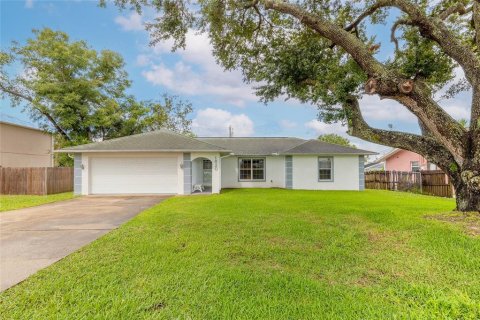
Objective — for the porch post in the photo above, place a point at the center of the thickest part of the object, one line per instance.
(187, 173)
(77, 174)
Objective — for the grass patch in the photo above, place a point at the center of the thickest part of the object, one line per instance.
(9, 202)
(267, 254)
(468, 221)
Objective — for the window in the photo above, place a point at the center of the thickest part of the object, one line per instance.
(207, 165)
(415, 165)
(251, 169)
(325, 169)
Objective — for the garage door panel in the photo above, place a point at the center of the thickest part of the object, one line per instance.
(133, 175)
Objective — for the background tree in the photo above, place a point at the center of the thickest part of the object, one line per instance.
(319, 52)
(336, 139)
(79, 93)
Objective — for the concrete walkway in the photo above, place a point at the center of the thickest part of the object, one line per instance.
(34, 238)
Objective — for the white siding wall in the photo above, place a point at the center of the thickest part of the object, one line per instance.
(86, 159)
(225, 171)
(345, 177)
(275, 173)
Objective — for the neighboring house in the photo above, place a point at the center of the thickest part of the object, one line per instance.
(164, 162)
(375, 166)
(401, 160)
(22, 146)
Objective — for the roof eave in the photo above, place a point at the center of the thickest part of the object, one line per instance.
(388, 155)
(128, 151)
(328, 153)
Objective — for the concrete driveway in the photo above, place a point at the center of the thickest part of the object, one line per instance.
(34, 238)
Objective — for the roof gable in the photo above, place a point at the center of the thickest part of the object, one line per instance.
(160, 140)
(388, 155)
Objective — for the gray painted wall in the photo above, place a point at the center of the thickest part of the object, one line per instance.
(361, 171)
(187, 173)
(77, 174)
(288, 172)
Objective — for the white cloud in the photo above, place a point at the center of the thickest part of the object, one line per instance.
(142, 60)
(182, 78)
(458, 111)
(319, 128)
(29, 4)
(130, 23)
(215, 122)
(287, 124)
(159, 75)
(198, 49)
(198, 73)
(373, 108)
(459, 106)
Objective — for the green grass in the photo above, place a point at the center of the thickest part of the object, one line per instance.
(8, 202)
(267, 254)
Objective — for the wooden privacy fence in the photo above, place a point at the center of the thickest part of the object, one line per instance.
(434, 183)
(38, 181)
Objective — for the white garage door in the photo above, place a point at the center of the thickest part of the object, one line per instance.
(133, 175)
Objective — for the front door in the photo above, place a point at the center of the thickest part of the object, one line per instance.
(207, 173)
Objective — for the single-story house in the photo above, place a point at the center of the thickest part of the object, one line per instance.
(164, 162)
(23, 146)
(401, 160)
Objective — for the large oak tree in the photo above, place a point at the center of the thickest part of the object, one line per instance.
(319, 51)
(79, 93)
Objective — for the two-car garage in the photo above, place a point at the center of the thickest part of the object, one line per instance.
(133, 175)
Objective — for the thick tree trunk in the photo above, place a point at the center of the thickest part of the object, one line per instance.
(467, 200)
(467, 185)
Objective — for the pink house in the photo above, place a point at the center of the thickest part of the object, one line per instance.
(403, 160)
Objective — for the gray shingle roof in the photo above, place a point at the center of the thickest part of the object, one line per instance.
(255, 146)
(168, 141)
(320, 147)
(268, 146)
(160, 140)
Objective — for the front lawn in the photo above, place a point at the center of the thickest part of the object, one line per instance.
(267, 254)
(8, 202)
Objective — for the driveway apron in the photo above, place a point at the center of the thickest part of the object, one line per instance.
(34, 238)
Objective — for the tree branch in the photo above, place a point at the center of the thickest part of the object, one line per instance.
(15, 93)
(475, 108)
(416, 97)
(371, 10)
(436, 30)
(250, 4)
(351, 44)
(475, 125)
(439, 123)
(423, 145)
(432, 28)
(457, 8)
(395, 26)
(476, 23)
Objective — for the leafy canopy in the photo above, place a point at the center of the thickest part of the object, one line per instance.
(336, 139)
(282, 57)
(80, 93)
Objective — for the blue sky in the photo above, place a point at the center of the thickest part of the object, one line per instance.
(219, 98)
